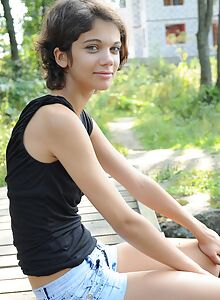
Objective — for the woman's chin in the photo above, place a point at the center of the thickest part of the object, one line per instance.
(103, 87)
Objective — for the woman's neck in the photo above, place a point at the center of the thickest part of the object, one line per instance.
(76, 98)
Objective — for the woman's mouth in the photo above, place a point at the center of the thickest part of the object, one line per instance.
(104, 75)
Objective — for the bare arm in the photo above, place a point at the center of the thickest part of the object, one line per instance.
(152, 195)
(68, 141)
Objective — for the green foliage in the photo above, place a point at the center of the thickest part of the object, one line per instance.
(197, 181)
(29, 58)
(166, 173)
(19, 92)
(171, 110)
(181, 183)
(209, 95)
(175, 114)
(122, 149)
(4, 41)
(5, 128)
(32, 24)
(34, 15)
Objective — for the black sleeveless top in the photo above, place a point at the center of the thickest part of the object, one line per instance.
(47, 229)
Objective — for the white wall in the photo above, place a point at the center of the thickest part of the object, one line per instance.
(158, 16)
(147, 20)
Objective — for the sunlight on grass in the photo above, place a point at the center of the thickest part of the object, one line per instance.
(182, 183)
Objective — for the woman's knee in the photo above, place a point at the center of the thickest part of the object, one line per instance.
(190, 248)
(131, 260)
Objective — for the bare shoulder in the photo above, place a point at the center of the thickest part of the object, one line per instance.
(55, 114)
(59, 121)
(50, 125)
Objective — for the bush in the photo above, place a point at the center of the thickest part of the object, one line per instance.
(5, 128)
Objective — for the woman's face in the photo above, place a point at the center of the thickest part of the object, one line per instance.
(95, 57)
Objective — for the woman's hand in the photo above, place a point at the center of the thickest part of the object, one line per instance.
(209, 244)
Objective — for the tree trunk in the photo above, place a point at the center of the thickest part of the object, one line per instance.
(43, 8)
(218, 53)
(205, 13)
(10, 29)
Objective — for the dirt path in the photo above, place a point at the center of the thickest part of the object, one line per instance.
(148, 161)
(122, 133)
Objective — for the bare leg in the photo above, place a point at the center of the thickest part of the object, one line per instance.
(131, 260)
(172, 285)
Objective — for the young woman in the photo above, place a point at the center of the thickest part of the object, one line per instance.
(57, 152)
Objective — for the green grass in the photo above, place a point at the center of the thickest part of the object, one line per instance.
(2, 175)
(182, 183)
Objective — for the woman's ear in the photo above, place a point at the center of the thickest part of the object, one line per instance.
(60, 58)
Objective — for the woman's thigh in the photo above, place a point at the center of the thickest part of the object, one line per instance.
(129, 259)
(171, 285)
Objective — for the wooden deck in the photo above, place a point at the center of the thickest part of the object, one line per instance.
(13, 283)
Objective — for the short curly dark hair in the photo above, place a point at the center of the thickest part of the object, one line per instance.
(63, 24)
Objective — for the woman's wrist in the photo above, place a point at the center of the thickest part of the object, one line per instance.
(198, 229)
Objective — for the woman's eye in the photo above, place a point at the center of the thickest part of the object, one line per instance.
(116, 49)
(92, 48)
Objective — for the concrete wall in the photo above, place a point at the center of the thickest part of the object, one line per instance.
(147, 22)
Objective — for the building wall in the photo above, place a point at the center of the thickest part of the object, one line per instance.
(158, 16)
(147, 22)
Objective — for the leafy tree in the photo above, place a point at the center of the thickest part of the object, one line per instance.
(11, 32)
(218, 53)
(32, 23)
(35, 13)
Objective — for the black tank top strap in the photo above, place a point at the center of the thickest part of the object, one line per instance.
(32, 108)
(35, 104)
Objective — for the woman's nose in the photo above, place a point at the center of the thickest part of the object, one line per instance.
(106, 58)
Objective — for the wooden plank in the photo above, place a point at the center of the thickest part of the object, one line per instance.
(8, 261)
(11, 272)
(7, 250)
(3, 192)
(4, 204)
(5, 226)
(4, 212)
(110, 239)
(99, 228)
(18, 296)
(14, 285)
(6, 238)
(85, 210)
(149, 214)
(85, 202)
(5, 219)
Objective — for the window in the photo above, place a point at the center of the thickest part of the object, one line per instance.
(119, 3)
(175, 34)
(122, 3)
(173, 2)
(215, 33)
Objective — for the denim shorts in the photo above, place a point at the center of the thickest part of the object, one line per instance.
(94, 279)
